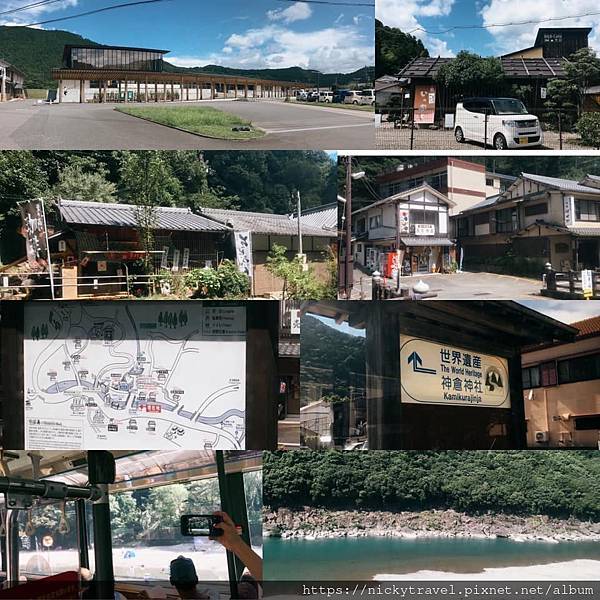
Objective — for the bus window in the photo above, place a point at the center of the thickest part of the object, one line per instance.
(48, 541)
(146, 531)
(253, 492)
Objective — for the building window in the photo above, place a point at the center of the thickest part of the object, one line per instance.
(536, 209)
(506, 220)
(561, 248)
(359, 247)
(361, 225)
(582, 368)
(463, 227)
(489, 181)
(587, 210)
(375, 221)
(531, 377)
(587, 423)
(548, 373)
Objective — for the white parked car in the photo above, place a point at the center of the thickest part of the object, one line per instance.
(352, 97)
(325, 96)
(500, 122)
(367, 97)
(301, 95)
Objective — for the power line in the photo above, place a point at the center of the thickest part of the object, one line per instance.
(494, 25)
(140, 2)
(29, 6)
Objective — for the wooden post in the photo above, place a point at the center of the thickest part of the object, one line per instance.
(172, 91)
(156, 91)
(146, 91)
(126, 98)
(139, 91)
(60, 91)
(81, 91)
(246, 90)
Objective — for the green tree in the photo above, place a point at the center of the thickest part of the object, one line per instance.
(125, 517)
(470, 73)
(299, 282)
(164, 507)
(583, 70)
(148, 181)
(86, 179)
(394, 49)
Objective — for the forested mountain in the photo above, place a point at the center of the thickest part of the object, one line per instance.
(331, 356)
(394, 49)
(555, 483)
(37, 51)
(261, 181)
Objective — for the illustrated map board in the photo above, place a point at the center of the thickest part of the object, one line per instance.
(134, 375)
(432, 373)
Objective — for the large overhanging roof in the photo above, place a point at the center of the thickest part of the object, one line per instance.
(504, 326)
(526, 68)
(75, 212)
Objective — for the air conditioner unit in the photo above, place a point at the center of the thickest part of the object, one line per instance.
(541, 436)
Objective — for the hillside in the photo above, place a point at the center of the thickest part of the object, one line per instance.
(36, 52)
(546, 482)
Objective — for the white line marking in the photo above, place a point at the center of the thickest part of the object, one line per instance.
(317, 128)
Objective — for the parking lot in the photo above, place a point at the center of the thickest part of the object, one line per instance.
(387, 137)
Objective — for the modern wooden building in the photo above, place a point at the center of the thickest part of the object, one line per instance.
(530, 68)
(438, 375)
(123, 74)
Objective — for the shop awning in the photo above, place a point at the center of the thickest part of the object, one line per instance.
(426, 241)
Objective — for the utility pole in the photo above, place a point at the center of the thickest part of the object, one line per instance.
(348, 256)
(299, 209)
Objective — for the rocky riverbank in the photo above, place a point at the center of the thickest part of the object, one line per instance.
(314, 523)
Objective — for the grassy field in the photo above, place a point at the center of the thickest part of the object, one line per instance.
(37, 94)
(201, 120)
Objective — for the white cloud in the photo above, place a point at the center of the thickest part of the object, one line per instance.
(36, 13)
(515, 37)
(332, 49)
(404, 14)
(567, 311)
(298, 11)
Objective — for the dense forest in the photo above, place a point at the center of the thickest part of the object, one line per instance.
(255, 181)
(394, 49)
(364, 191)
(554, 483)
(37, 51)
(330, 357)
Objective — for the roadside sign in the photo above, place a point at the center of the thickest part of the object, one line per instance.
(587, 284)
(432, 373)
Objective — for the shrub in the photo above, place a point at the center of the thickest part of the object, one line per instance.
(227, 281)
(588, 128)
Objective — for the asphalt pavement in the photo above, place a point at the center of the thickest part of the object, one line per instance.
(462, 286)
(33, 126)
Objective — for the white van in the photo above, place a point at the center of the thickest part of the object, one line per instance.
(325, 96)
(509, 125)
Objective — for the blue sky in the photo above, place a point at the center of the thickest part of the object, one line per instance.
(437, 15)
(235, 33)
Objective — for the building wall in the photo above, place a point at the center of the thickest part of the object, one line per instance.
(466, 185)
(536, 52)
(551, 408)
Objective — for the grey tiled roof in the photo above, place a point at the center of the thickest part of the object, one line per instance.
(585, 231)
(124, 215)
(263, 222)
(289, 348)
(567, 185)
(489, 201)
(325, 216)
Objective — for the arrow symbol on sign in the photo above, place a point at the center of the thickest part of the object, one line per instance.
(417, 361)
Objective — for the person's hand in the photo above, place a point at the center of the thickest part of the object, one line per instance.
(231, 538)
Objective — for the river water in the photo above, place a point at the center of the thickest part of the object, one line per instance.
(371, 557)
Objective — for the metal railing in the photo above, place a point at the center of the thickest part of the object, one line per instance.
(569, 285)
(409, 128)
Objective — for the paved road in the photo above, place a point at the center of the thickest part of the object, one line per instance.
(31, 126)
(466, 286)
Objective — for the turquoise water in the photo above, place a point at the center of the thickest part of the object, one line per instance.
(364, 558)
